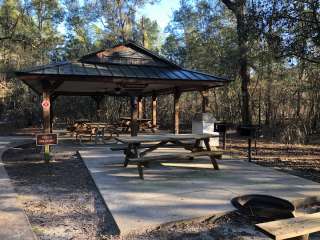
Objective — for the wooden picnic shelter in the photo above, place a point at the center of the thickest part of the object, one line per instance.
(126, 69)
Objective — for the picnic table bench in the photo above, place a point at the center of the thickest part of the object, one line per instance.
(149, 143)
(291, 228)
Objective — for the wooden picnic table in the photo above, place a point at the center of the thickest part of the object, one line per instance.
(143, 123)
(134, 153)
(94, 129)
(102, 128)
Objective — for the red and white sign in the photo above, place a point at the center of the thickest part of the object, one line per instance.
(45, 104)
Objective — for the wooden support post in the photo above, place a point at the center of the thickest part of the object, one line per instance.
(205, 101)
(98, 100)
(52, 105)
(144, 107)
(177, 95)
(46, 123)
(134, 116)
(154, 112)
(51, 115)
(140, 107)
(249, 149)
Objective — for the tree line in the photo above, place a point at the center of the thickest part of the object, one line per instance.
(269, 48)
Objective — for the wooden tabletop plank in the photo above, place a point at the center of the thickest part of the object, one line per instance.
(190, 136)
(162, 137)
(141, 138)
(292, 227)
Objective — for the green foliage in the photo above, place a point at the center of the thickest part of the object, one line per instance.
(203, 36)
(174, 50)
(147, 33)
(118, 18)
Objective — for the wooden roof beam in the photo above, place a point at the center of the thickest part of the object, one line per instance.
(51, 87)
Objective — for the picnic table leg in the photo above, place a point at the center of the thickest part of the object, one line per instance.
(140, 170)
(135, 150)
(212, 158)
(126, 161)
(96, 138)
(128, 153)
(102, 135)
(140, 165)
(132, 152)
(196, 146)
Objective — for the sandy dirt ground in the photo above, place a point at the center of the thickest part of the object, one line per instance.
(60, 198)
(62, 202)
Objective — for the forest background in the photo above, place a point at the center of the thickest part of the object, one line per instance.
(269, 48)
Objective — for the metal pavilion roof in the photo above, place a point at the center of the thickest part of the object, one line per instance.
(125, 69)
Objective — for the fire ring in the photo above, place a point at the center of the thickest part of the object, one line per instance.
(264, 207)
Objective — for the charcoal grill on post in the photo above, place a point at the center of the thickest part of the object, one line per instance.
(222, 127)
(249, 131)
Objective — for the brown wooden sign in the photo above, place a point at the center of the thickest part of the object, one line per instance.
(47, 139)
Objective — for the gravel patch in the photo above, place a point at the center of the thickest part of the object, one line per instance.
(60, 198)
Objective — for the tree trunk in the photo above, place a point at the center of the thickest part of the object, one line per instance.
(243, 65)
(269, 106)
(238, 8)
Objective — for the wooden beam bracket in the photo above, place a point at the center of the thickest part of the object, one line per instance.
(49, 87)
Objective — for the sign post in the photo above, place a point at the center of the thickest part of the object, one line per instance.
(46, 140)
(46, 153)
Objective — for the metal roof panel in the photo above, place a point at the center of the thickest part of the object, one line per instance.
(103, 70)
(127, 71)
(116, 71)
(139, 73)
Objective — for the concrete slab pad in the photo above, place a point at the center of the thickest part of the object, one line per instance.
(175, 191)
